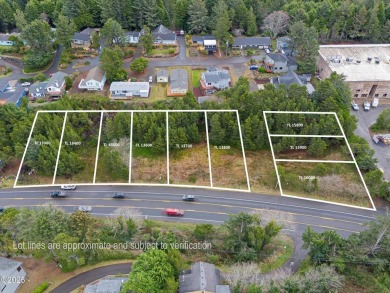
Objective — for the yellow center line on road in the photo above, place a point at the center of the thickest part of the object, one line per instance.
(200, 203)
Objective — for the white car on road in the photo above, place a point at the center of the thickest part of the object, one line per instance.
(68, 187)
(85, 209)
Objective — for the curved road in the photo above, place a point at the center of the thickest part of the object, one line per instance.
(90, 276)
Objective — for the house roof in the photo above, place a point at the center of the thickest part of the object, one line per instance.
(252, 41)
(365, 70)
(95, 73)
(3, 84)
(129, 86)
(277, 57)
(56, 78)
(38, 88)
(162, 72)
(88, 31)
(291, 61)
(166, 37)
(161, 30)
(5, 37)
(215, 75)
(108, 285)
(284, 39)
(133, 33)
(210, 42)
(7, 266)
(81, 37)
(292, 78)
(202, 38)
(203, 276)
(14, 95)
(179, 78)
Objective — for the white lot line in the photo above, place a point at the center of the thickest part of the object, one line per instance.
(131, 140)
(59, 147)
(98, 148)
(315, 161)
(243, 151)
(24, 154)
(208, 148)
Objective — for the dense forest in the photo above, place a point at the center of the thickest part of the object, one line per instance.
(334, 20)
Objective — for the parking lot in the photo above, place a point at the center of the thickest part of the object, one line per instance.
(365, 120)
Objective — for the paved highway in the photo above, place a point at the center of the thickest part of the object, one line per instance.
(211, 206)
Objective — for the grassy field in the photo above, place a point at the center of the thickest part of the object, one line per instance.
(276, 253)
(196, 74)
(161, 51)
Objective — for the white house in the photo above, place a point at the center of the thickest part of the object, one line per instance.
(127, 89)
(132, 37)
(94, 81)
(55, 87)
(4, 39)
(11, 270)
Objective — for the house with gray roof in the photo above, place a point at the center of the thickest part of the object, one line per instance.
(37, 90)
(4, 84)
(203, 277)
(178, 82)
(83, 38)
(214, 79)
(109, 284)
(252, 43)
(278, 62)
(128, 90)
(283, 45)
(11, 270)
(292, 78)
(55, 87)
(132, 37)
(162, 75)
(208, 42)
(4, 39)
(163, 35)
(94, 81)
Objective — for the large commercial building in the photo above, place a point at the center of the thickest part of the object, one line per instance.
(366, 68)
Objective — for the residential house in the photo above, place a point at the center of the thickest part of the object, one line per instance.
(37, 90)
(127, 90)
(209, 43)
(132, 37)
(4, 39)
(178, 82)
(278, 62)
(203, 277)
(292, 78)
(95, 80)
(109, 284)
(283, 45)
(83, 39)
(12, 92)
(252, 43)
(55, 87)
(366, 68)
(163, 35)
(214, 79)
(11, 270)
(162, 75)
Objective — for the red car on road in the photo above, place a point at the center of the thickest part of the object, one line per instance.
(173, 212)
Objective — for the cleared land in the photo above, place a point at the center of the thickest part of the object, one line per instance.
(334, 182)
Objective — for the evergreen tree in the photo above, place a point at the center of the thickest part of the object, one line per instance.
(221, 23)
(111, 63)
(251, 28)
(198, 19)
(112, 33)
(216, 133)
(65, 29)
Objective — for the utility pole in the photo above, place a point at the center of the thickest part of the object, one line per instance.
(227, 44)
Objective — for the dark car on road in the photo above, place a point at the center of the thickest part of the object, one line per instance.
(253, 67)
(118, 195)
(60, 194)
(188, 197)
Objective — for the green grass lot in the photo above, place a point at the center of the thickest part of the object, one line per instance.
(196, 74)
(160, 51)
(276, 253)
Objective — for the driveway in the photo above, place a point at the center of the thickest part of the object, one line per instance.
(382, 152)
(92, 275)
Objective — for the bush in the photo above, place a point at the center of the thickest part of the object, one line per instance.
(41, 288)
(171, 51)
(28, 79)
(39, 77)
(35, 62)
(40, 101)
(68, 83)
(262, 70)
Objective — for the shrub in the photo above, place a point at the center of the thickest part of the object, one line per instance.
(40, 101)
(41, 288)
(28, 79)
(68, 83)
(171, 51)
(39, 77)
(262, 70)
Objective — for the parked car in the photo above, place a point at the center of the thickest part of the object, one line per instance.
(58, 194)
(68, 187)
(26, 83)
(253, 67)
(366, 105)
(355, 106)
(85, 209)
(375, 102)
(173, 212)
(118, 195)
(150, 78)
(188, 197)
(267, 51)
